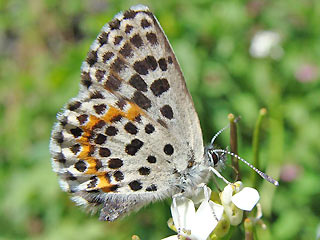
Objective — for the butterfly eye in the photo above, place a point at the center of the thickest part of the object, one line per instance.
(214, 157)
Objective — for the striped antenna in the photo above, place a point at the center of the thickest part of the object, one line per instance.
(221, 130)
(262, 174)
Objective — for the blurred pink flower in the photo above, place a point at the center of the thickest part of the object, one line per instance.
(254, 7)
(290, 172)
(307, 73)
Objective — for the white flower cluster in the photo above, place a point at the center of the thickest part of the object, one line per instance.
(266, 44)
(211, 217)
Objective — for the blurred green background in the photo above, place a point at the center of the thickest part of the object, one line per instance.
(42, 46)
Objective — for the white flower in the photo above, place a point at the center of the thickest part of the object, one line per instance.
(195, 224)
(173, 237)
(210, 217)
(266, 43)
(236, 199)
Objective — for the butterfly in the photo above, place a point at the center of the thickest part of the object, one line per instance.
(131, 136)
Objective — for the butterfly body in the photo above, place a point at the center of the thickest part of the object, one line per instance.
(132, 135)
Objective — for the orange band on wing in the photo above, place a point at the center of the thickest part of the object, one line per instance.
(105, 185)
(133, 112)
(93, 120)
(86, 148)
(92, 165)
(112, 113)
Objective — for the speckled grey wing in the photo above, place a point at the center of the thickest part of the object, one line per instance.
(132, 130)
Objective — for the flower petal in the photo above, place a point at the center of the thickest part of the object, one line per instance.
(173, 237)
(182, 213)
(206, 219)
(234, 214)
(237, 186)
(246, 199)
(217, 209)
(226, 195)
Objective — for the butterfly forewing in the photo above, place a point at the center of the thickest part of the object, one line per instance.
(124, 139)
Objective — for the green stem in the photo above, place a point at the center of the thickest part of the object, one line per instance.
(255, 145)
(248, 228)
(234, 145)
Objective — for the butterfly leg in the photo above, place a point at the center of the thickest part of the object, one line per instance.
(219, 175)
(216, 183)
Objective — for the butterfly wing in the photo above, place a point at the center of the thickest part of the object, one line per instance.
(132, 129)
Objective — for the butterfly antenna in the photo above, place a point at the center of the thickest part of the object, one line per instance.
(221, 130)
(262, 174)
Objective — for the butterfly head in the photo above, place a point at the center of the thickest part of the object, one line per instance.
(214, 158)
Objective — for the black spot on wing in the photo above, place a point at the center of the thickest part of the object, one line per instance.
(86, 79)
(107, 56)
(126, 50)
(113, 83)
(59, 157)
(117, 40)
(76, 132)
(149, 128)
(128, 28)
(151, 159)
(141, 100)
(96, 95)
(100, 108)
(111, 131)
(138, 83)
(75, 148)
(115, 24)
(163, 64)
(103, 38)
(82, 118)
(100, 139)
(130, 14)
(80, 166)
(99, 75)
(145, 23)
(144, 171)
(131, 128)
(118, 175)
(159, 86)
(166, 111)
(135, 185)
(133, 147)
(92, 58)
(104, 152)
(115, 163)
(74, 105)
(151, 188)
(118, 65)
(168, 149)
(152, 38)
(136, 40)
(58, 137)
